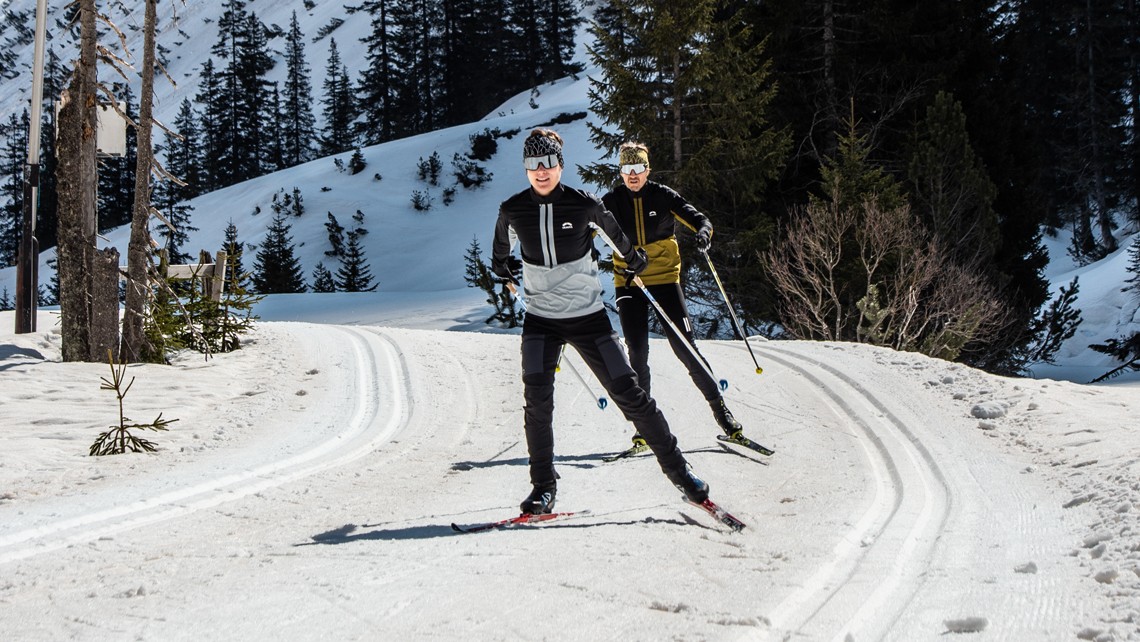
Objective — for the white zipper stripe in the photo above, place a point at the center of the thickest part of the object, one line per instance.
(546, 231)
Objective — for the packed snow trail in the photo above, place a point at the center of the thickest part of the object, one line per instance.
(849, 594)
(346, 454)
(374, 389)
(931, 508)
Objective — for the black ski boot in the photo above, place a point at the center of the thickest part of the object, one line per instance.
(540, 500)
(695, 489)
(724, 418)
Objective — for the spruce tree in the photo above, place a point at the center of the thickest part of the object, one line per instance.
(378, 80)
(354, 274)
(298, 126)
(213, 122)
(276, 268)
(414, 46)
(177, 213)
(184, 154)
(234, 250)
(336, 237)
(338, 106)
(950, 190)
(692, 83)
(13, 135)
(323, 279)
(243, 121)
(478, 275)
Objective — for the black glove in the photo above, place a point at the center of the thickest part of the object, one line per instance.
(635, 263)
(704, 239)
(508, 269)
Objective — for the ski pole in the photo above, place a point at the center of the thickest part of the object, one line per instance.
(723, 383)
(602, 401)
(732, 313)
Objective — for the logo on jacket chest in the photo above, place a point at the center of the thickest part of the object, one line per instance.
(567, 225)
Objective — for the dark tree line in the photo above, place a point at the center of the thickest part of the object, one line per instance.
(994, 121)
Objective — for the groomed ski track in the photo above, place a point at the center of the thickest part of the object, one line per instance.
(403, 432)
(373, 408)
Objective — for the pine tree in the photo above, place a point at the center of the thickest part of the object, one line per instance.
(273, 141)
(478, 275)
(336, 237)
(276, 268)
(475, 76)
(414, 46)
(338, 102)
(377, 87)
(184, 154)
(559, 19)
(354, 274)
(241, 104)
(213, 126)
(693, 84)
(14, 135)
(323, 279)
(234, 250)
(298, 127)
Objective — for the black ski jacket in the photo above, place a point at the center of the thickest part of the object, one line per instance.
(555, 234)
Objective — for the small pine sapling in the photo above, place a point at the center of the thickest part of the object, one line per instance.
(119, 440)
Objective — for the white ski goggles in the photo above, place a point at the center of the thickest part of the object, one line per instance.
(533, 163)
(636, 168)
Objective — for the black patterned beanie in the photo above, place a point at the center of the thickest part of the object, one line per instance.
(539, 145)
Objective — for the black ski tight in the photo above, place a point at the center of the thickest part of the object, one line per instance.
(633, 312)
(594, 339)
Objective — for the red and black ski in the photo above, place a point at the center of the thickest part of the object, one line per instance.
(522, 519)
(721, 515)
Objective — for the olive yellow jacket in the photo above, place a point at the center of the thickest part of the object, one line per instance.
(649, 217)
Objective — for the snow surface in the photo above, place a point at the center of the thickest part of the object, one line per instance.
(308, 487)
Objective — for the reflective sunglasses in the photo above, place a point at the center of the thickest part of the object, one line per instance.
(532, 163)
(633, 169)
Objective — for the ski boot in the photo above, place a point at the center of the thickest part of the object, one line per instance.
(694, 488)
(725, 420)
(540, 500)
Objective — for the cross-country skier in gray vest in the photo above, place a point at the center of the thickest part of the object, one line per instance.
(554, 226)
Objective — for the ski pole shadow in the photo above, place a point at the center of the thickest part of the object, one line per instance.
(576, 461)
(350, 533)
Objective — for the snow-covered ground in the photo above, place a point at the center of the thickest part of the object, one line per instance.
(308, 488)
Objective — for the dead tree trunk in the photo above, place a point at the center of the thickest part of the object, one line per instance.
(77, 180)
(138, 249)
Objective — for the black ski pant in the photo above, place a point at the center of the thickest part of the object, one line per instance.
(633, 313)
(594, 339)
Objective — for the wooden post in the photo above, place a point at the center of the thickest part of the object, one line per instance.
(218, 276)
